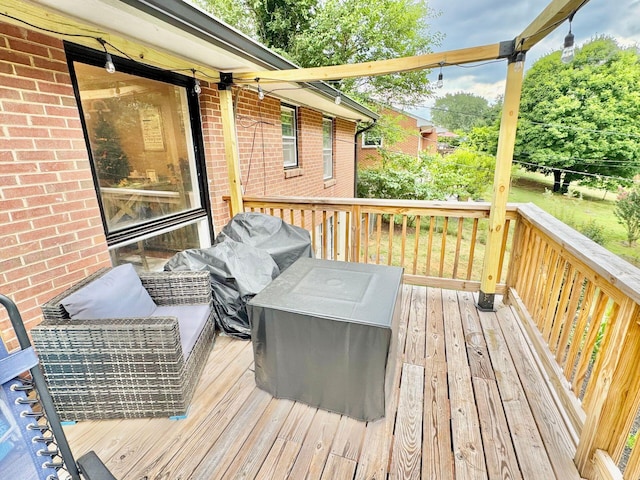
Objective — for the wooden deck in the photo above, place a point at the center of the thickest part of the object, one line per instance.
(470, 402)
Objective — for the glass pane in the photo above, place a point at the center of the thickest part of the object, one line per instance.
(150, 254)
(141, 141)
(327, 133)
(289, 151)
(328, 164)
(286, 116)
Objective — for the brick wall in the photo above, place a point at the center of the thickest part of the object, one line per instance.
(51, 232)
(50, 228)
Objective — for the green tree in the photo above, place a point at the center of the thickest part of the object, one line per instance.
(580, 121)
(461, 111)
(627, 211)
(340, 32)
(464, 173)
(110, 159)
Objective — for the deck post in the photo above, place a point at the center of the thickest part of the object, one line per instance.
(231, 152)
(502, 178)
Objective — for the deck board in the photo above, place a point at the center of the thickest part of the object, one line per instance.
(467, 402)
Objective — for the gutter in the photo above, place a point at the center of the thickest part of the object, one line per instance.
(355, 155)
(195, 22)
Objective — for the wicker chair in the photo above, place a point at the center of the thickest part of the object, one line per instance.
(124, 368)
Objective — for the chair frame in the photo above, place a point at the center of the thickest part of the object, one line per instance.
(124, 368)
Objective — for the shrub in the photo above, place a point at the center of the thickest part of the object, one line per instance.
(627, 211)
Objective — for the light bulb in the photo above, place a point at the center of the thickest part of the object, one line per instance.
(338, 100)
(440, 82)
(197, 88)
(518, 65)
(109, 66)
(260, 93)
(569, 49)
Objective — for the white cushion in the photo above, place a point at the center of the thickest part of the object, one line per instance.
(117, 294)
(191, 321)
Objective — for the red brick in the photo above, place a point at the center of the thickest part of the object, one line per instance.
(37, 155)
(40, 178)
(27, 47)
(13, 144)
(66, 111)
(14, 107)
(24, 71)
(8, 205)
(41, 98)
(29, 132)
(56, 240)
(63, 78)
(15, 57)
(13, 30)
(67, 133)
(53, 144)
(7, 68)
(36, 235)
(9, 119)
(17, 167)
(58, 54)
(56, 166)
(6, 180)
(40, 200)
(44, 39)
(22, 191)
(72, 155)
(58, 89)
(10, 94)
(48, 121)
(41, 255)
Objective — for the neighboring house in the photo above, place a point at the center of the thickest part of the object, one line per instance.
(418, 135)
(100, 168)
(445, 137)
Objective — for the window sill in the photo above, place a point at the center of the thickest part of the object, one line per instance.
(293, 172)
(330, 182)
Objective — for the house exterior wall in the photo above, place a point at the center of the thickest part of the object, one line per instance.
(51, 232)
(412, 143)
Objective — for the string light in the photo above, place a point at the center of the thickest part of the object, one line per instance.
(196, 83)
(569, 49)
(260, 93)
(338, 99)
(109, 66)
(440, 82)
(518, 64)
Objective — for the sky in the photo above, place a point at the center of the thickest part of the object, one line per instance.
(470, 23)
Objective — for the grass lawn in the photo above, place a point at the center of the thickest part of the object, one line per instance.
(589, 206)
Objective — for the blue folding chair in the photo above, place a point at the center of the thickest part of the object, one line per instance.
(32, 442)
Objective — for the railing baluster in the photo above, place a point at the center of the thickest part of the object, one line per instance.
(503, 247)
(561, 312)
(416, 245)
(456, 257)
(325, 235)
(578, 292)
(391, 234)
(403, 243)
(432, 224)
(580, 326)
(472, 248)
(313, 231)
(366, 236)
(378, 236)
(443, 245)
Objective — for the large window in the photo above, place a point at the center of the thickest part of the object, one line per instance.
(144, 138)
(289, 134)
(327, 147)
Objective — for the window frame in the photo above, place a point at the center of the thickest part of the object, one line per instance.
(289, 138)
(330, 150)
(89, 56)
(375, 142)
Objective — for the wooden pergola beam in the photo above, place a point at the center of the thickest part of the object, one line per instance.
(380, 67)
(546, 22)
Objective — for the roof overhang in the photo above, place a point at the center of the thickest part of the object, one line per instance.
(181, 34)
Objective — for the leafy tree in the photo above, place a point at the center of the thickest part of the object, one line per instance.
(461, 111)
(581, 121)
(110, 159)
(464, 173)
(333, 32)
(627, 211)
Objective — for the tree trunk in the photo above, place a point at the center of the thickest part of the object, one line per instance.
(565, 184)
(557, 179)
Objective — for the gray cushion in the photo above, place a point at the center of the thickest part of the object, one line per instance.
(191, 321)
(117, 294)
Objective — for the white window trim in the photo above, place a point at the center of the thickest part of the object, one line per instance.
(294, 111)
(377, 145)
(326, 150)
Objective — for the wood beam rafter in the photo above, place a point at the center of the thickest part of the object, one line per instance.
(546, 22)
(380, 67)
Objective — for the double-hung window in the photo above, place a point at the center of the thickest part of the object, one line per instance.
(327, 147)
(371, 140)
(144, 139)
(289, 136)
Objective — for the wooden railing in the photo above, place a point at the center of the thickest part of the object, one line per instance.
(581, 307)
(438, 243)
(579, 303)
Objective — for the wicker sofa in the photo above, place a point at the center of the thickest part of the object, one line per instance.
(125, 367)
